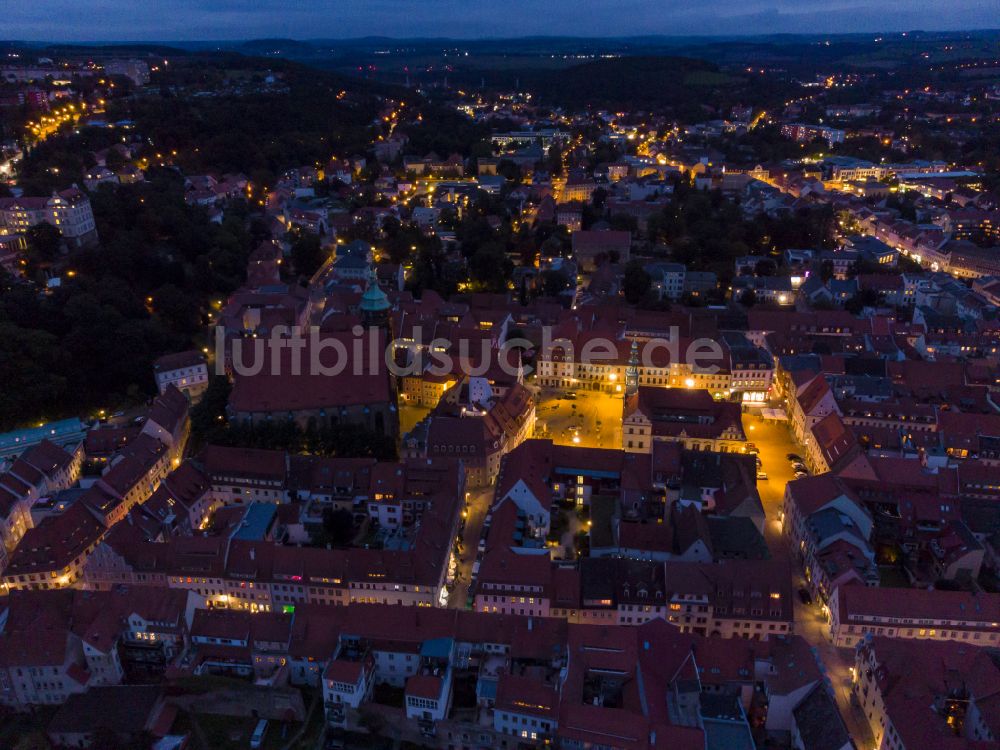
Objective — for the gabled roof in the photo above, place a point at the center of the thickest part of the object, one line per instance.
(55, 542)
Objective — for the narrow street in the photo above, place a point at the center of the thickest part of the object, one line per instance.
(477, 508)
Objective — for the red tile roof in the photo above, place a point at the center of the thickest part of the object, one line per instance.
(282, 391)
(424, 686)
(919, 604)
(526, 695)
(55, 542)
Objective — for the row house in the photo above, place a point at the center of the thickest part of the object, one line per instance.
(857, 612)
(514, 581)
(54, 644)
(927, 695)
(478, 438)
(748, 600)
(241, 643)
(831, 443)
(818, 513)
(267, 577)
(595, 360)
(41, 470)
(808, 405)
(241, 476)
(183, 502)
(53, 554)
(129, 479)
(167, 421)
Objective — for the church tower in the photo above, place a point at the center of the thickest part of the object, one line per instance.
(632, 371)
(374, 305)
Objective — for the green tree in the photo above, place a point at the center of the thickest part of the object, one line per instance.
(33, 741)
(307, 253)
(861, 300)
(491, 267)
(554, 282)
(826, 270)
(177, 308)
(208, 416)
(636, 283)
(554, 160)
(509, 170)
(44, 241)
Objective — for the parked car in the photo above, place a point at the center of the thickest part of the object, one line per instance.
(805, 596)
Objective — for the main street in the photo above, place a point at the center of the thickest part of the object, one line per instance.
(774, 441)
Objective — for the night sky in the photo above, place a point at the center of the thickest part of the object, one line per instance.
(144, 20)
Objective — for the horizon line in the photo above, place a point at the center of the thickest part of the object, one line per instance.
(503, 38)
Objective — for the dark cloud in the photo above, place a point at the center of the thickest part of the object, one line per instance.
(76, 20)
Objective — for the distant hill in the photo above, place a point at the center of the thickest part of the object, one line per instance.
(634, 82)
(121, 49)
(290, 47)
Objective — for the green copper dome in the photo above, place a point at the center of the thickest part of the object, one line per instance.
(374, 299)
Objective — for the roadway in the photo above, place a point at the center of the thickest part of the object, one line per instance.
(774, 440)
(477, 507)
